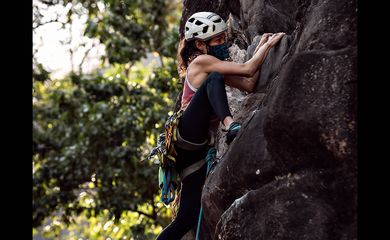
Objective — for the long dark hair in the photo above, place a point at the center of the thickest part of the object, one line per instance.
(187, 51)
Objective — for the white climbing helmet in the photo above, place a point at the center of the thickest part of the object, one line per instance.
(203, 26)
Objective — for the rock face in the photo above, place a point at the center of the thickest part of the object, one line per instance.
(291, 171)
(296, 206)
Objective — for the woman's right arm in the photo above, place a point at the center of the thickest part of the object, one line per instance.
(261, 52)
(209, 63)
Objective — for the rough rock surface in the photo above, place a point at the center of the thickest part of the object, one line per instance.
(291, 171)
(296, 206)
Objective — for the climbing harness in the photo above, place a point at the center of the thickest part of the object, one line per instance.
(166, 153)
(167, 182)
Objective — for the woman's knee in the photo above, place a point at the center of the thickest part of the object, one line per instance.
(216, 76)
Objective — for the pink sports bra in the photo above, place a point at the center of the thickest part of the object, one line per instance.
(188, 92)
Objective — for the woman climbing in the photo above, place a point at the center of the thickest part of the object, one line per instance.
(204, 103)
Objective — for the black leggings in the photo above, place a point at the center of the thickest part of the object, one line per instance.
(210, 98)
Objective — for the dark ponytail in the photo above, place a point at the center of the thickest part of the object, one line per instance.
(187, 51)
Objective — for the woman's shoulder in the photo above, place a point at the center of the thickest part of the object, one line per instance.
(204, 58)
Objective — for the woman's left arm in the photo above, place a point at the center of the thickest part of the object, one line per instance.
(246, 84)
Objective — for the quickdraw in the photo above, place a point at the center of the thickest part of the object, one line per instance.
(171, 137)
(166, 153)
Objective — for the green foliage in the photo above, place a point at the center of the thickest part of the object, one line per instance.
(91, 131)
(129, 225)
(131, 28)
(96, 128)
(40, 74)
(165, 80)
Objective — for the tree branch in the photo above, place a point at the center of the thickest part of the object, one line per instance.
(143, 213)
(161, 60)
(154, 207)
(70, 45)
(49, 2)
(84, 57)
(51, 21)
(128, 68)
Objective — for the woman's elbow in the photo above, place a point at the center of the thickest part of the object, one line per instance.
(249, 71)
(250, 90)
(249, 86)
(253, 72)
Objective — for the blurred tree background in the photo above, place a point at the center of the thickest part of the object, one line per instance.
(91, 128)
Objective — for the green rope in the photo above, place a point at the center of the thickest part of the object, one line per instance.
(209, 159)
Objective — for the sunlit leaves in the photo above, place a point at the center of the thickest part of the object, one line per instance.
(98, 127)
(40, 74)
(90, 131)
(129, 29)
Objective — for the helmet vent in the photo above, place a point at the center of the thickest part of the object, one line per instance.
(218, 20)
(213, 27)
(198, 23)
(195, 34)
(191, 20)
(205, 29)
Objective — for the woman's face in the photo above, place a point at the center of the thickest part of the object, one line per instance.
(217, 40)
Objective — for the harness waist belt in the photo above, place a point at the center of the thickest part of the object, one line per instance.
(192, 168)
(187, 145)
